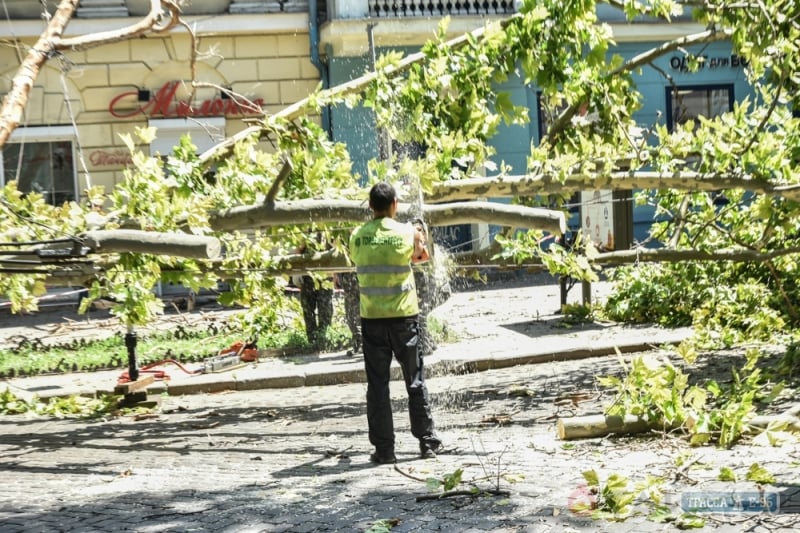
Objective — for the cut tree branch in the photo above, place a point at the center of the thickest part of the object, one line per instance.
(708, 36)
(321, 211)
(537, 184)
(52, 41)
(355, 86)
(590, 426)
(151, 242)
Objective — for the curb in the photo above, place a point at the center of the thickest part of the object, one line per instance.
(441, 367)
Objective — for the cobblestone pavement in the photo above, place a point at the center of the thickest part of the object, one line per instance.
(297, 460)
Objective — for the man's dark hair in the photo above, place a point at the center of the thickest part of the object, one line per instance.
(381, 196)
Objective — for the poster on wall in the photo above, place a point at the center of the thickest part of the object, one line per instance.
(597, 218)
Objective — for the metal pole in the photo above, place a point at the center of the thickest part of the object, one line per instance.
(130, 344)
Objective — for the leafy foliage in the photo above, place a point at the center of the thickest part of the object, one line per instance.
(659, 392)
(72, 406)
(453, 103)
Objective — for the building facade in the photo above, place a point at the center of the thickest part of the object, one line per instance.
(81, 103)
(275, 53)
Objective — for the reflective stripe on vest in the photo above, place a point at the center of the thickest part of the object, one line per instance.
(386, 291)
(382, 269)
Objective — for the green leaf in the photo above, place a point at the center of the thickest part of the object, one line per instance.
(690, 521)
(759, 474)
(661, 514)
(453, 479)
(591, 478)
(432, 483)
(726, 474)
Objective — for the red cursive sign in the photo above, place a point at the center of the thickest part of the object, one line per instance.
(165, 103)
(100, 158)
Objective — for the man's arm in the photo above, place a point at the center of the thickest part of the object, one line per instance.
(420, 244)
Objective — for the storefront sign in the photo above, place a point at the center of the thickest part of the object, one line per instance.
(164, 103)
(117, 158)
(712, 63)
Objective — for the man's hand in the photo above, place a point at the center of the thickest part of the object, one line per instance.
(420, 242)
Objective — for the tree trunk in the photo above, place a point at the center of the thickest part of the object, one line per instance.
(17, 98)
(52, 40)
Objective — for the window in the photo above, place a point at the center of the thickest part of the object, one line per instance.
(42, 161)
(205, 133)
(688, 103)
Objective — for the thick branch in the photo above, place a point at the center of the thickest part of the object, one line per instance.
(355, 86)
(708, 36)
(664, 255)
(154, 21)
(150, 242)
(321, 211)
(535, 184)
(590, 426)
(52, 41)
(283, 175)
(17, 98)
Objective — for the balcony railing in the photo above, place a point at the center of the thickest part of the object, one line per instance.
(438, 8)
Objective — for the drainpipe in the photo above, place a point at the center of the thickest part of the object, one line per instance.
(313, 35)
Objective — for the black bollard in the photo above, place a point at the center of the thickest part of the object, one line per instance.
(130, 344)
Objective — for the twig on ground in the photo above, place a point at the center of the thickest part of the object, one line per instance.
(470, 493)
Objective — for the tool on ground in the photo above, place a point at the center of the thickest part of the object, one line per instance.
(125, 377)
(234, 356)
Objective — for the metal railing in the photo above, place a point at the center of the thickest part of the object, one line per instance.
(438, 8)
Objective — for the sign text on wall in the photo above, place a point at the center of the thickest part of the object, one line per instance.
(712, 63)
(117, 158)
(165, 103)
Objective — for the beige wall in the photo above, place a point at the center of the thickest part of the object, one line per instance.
(274, 68)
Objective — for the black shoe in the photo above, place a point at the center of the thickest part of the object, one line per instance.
(383, 458)
(429, 447)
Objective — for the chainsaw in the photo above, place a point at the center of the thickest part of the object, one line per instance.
(236, 355)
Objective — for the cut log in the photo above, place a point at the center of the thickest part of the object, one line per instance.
(788, 420)
(584, 427)
(593, 426)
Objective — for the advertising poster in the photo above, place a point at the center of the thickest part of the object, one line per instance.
(597, 218)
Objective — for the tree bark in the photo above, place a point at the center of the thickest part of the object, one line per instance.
(17, 98)
(583, 427)
(537, 184)
(151, 242)
(592, 426)
(321, 211)
(52, 41)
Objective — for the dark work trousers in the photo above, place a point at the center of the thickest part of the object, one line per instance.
(317, 304)
(384, 338)
(352, 310)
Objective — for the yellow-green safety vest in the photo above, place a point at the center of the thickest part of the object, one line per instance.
(381, 250)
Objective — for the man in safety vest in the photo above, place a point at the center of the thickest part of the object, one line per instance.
(383, 250)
